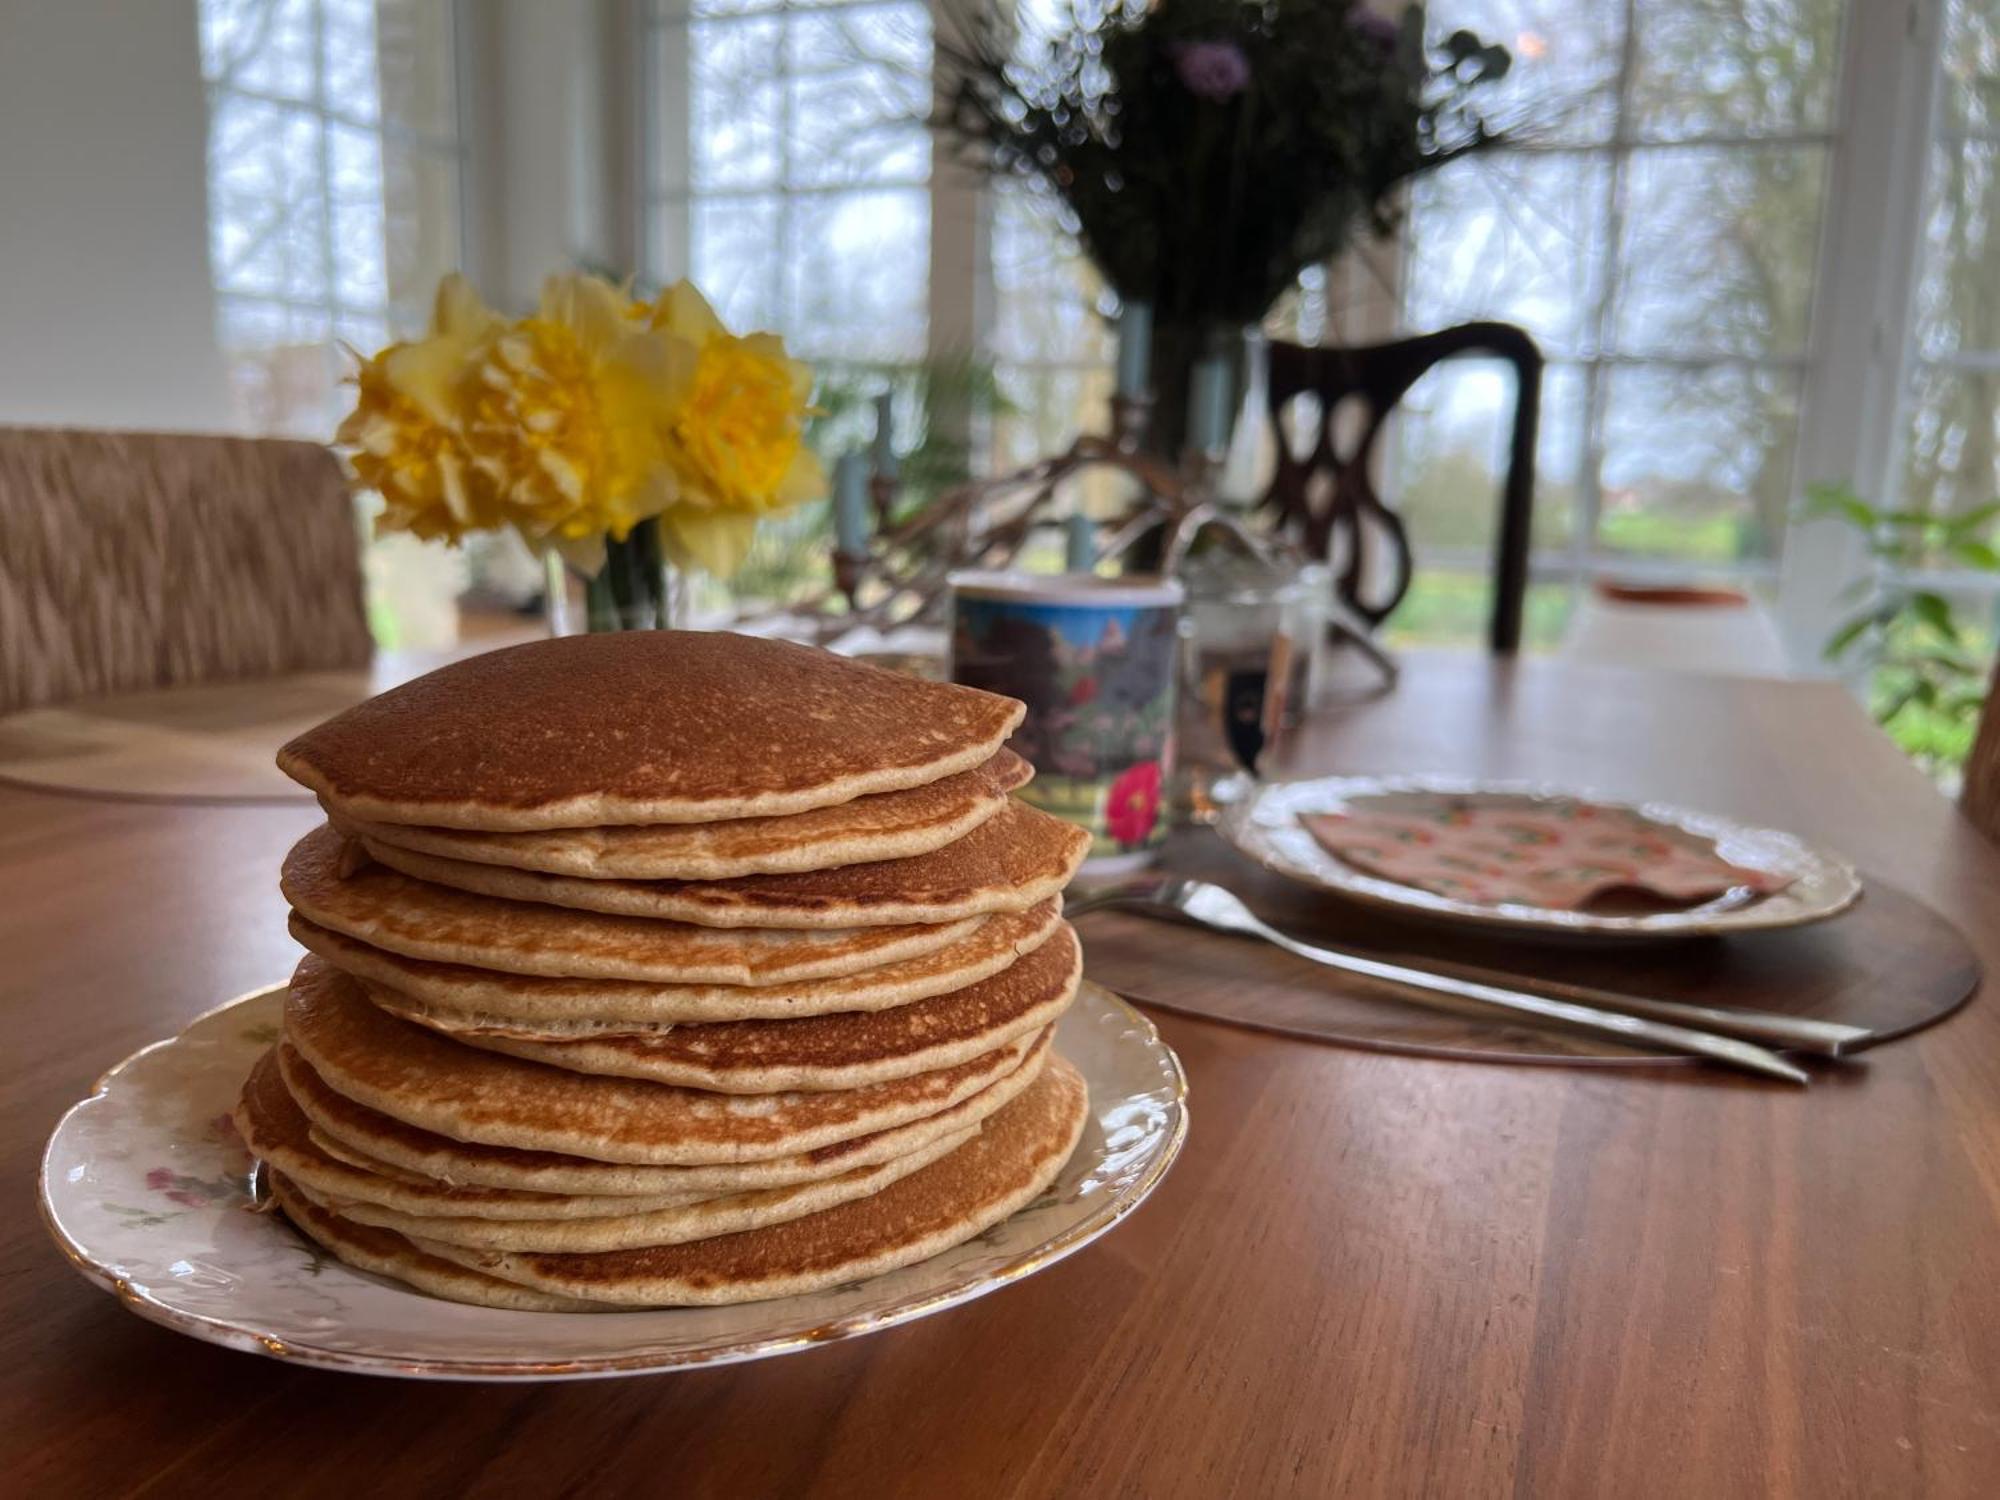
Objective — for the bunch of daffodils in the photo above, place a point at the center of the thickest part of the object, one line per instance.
(591, 417)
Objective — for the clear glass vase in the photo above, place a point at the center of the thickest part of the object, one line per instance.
(638, 588)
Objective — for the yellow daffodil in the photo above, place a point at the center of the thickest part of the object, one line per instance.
(591, 417)
(406, 440)
(736, 438)
(565, 416)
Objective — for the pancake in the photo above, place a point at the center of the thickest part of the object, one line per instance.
(674, 1225)
(1017, 1154)
(1008, 863)
(642, 726)
(366, 1138)
(278, 1132)
(819, 1052)
(388, 1254)
(888, 825)
(414, 1075)
(457, 998)
(388, 910)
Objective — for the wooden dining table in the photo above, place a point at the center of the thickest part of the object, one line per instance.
(1368, 1274)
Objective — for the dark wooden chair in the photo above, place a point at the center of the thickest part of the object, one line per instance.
(1325, 499)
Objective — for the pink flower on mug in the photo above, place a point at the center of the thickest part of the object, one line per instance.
(159, 1179)
(1133, 804)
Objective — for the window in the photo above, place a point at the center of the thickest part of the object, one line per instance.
(333, 168)
(1657, 224)
(1656, 227)
(1951, 454)
(793, 185)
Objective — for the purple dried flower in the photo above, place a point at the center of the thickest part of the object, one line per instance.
(1374, 26)
(1215, 71)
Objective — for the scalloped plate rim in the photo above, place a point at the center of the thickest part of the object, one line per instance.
(244, 1338)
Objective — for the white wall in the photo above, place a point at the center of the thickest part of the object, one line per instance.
(106, 314)
(549, 117)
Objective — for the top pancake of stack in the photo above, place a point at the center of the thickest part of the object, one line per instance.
(643, 727)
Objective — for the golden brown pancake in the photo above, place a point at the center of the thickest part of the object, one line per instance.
(387, 910)
(889, 825)
(412, 1074)
(816, 1052)
(643, 726)
(384, 1253)
(1017, 1154)
(1008, 863)
(458, 998)
(368, 1139)
(278, 1132)
(675, 1224)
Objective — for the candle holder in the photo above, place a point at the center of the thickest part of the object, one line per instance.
(882, 496)
(1131, 418)
(850, 571)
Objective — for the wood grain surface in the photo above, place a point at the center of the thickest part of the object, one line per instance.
(1369, 1274)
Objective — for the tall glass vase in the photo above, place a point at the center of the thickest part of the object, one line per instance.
(637, 588)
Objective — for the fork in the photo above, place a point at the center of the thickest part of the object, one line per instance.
(1635, 1020)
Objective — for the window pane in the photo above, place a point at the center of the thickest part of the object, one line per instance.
(265, 46)
(1957, 306)
(1447, 454)
(1952, 458)
(737, 252)
(347, 58)
(1563, 84)
(1972, 64)
(734, 111)
(1734, 67)
(859, 91)
(1697, 463)
(1046, 293)
(354, 159)
(1718, 250)
(1044, 411)
(267, 228)
(1450, 608)
(857, 272)
(1516, 237)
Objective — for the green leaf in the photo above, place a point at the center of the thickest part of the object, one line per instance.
(1886, 713)
(1839, 642)
(1935, 611)
(1976, 519)
(1979, 554)
(1839, 501)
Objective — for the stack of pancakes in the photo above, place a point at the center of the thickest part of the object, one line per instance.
(667, 968)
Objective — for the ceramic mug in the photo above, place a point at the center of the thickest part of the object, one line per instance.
(1093, 658)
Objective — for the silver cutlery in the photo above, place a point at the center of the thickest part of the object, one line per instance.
(1631, 1019)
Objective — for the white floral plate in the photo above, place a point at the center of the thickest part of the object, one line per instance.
(148, 1190)
(1265, 825)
